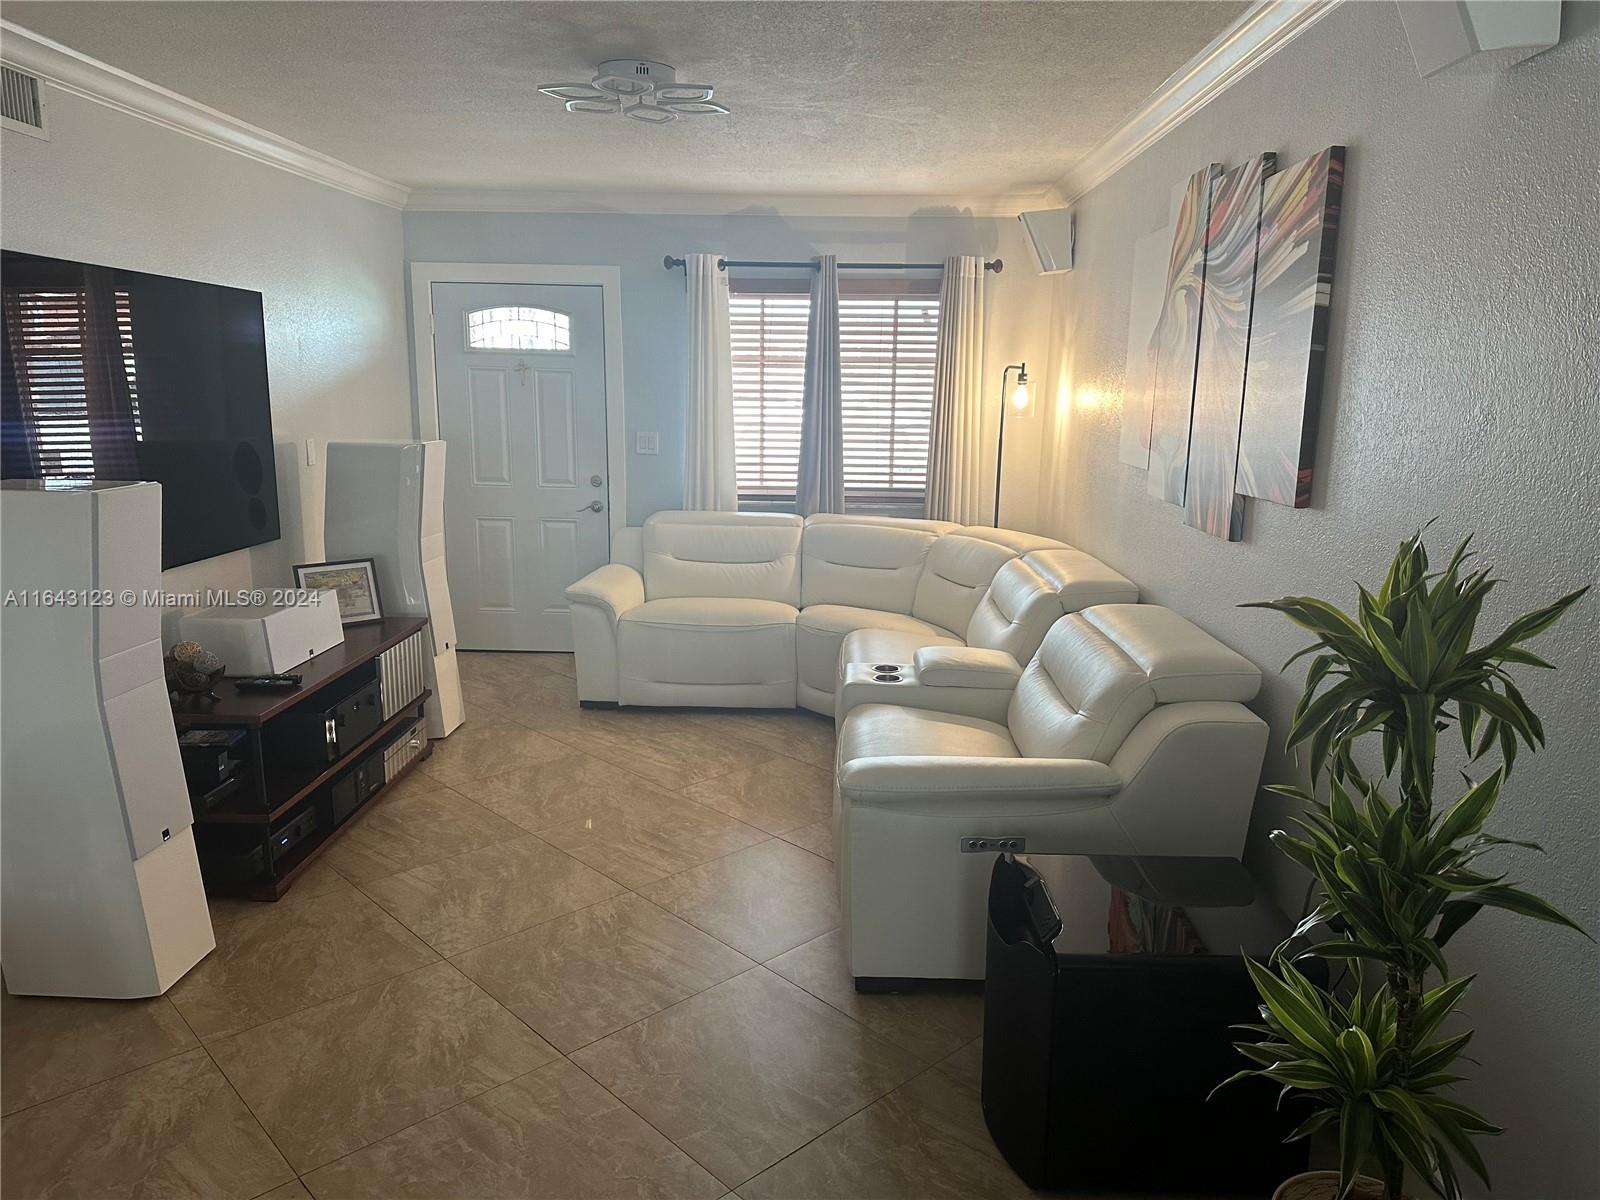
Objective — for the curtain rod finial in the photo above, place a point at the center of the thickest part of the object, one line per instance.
(996, 265)
(669, 262)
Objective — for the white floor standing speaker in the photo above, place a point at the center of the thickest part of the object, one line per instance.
(385, 501)
(101, 887)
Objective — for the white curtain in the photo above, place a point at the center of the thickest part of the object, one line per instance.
(955, 452)
(821, 483)
(709, 481)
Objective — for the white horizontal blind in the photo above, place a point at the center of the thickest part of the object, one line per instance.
(50, 343)
(769, 374)
(886, 350)
(886, 357)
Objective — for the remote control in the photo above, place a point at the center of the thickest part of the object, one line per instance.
(267, 683)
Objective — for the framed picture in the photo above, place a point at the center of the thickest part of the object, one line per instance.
(354, 581)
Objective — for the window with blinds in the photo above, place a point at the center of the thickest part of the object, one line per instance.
(769, 371)
(886, 359)
(53, 351)
(886, 353)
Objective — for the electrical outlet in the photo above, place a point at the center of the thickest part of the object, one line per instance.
(647, 443)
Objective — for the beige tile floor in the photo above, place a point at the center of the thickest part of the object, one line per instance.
(577, 954)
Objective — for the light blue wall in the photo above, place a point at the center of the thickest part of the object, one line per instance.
(654, 317)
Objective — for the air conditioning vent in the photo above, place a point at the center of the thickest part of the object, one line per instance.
(21, 102)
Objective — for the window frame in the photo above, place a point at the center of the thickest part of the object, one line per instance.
(894, 502)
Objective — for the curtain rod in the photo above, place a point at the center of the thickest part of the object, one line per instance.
(994, 264)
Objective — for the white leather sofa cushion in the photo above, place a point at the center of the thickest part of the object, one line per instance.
(888, 522)
(958, 572)
(821, 630)
(1079, 697)
(1081, 580)
(752, 556)
(887, 646)
(706, 641)
(1016, 540)
(862, 564)
(857, 519)
(1182, 661)
(966, 666)
(888, 730)
(1100, 671)
(1015, 612)
(978, 789)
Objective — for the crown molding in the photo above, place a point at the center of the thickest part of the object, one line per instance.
(65, 68)
(1007, 204)
(70, 71)
(1264, 30)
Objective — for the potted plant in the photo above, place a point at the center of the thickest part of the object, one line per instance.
(1396, 879)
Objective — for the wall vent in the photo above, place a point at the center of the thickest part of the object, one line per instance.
(22, 102)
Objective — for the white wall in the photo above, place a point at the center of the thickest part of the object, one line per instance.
(1463, 383)
(114, 189)
(654, 316)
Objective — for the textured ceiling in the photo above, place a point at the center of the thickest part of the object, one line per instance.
(891, 98)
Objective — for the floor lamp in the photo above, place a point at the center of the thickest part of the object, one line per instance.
(1018, 400)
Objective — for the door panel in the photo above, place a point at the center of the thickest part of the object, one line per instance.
(496, 564)
(491, 437)
(557, 429)
(522, 397)
(558, 545)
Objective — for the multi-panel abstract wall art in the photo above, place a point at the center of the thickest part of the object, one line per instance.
(1232, 372)
(1178, 340)
(1289, 334)
(1209, 500)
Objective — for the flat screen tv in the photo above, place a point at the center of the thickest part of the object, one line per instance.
(113, 374)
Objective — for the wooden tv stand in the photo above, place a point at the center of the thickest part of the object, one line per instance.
(273, 792)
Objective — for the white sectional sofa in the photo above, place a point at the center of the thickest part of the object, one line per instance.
(1126, 734)
(759, 610)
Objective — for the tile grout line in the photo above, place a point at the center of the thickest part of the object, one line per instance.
(438, 958)
(254, 1116)
(557, 916)
(118, 1075)
(757, 966)
(300, 1175)
(933, 1066)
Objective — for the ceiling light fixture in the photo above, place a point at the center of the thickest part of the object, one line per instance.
(638, 88)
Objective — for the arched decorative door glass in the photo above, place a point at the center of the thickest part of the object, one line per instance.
(509, 327)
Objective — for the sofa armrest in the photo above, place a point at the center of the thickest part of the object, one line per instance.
(967, 666)
(859, 684)
(614, 587)
(980, 786)
(1192, 771)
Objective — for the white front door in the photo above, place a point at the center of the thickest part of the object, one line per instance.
(520, 372)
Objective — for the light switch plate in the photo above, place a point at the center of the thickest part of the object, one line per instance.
(647, 443)
(311, 452)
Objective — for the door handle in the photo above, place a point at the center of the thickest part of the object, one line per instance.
(593, 506)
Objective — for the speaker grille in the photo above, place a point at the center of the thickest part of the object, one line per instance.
(400, 674)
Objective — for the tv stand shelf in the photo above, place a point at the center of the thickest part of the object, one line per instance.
(235, 814)
(279, 793)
